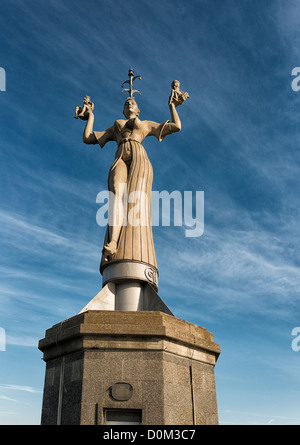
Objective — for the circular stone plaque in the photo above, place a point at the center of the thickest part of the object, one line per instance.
(121, 391)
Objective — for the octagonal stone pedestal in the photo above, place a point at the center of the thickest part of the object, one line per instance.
(103, 365)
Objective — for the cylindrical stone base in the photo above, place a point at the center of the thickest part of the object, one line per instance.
(129, 296)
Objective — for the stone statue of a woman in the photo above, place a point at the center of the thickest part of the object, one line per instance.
(130, 173)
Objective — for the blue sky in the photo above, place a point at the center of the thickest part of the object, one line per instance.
(239, 144)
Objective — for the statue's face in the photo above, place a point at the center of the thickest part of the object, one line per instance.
(130, 108)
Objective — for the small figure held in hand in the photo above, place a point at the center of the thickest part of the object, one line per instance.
(177, 96)
(83, 112)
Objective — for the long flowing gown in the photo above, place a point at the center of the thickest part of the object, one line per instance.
(135, 241)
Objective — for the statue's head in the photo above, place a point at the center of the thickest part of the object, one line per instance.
(130, 108)
(175, 85)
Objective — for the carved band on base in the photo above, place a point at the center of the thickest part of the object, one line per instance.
(130, 270)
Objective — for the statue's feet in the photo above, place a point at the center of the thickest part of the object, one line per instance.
(110, 249)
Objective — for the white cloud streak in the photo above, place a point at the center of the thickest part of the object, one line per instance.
(24, 388)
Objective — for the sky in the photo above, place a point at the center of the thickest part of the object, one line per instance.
(239, 144)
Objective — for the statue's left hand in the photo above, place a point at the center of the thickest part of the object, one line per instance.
(177, 98)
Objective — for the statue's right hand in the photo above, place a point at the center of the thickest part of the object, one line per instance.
(86, 112)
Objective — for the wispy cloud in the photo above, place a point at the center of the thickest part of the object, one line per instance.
(24, 235)
(22, 341)
(268, 419)
(9, 399)
(20, 388)
(233, 267)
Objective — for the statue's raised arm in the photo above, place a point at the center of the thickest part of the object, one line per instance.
(89, 136)
(177, 97)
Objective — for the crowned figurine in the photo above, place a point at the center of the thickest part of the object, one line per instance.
(177, 96)
(82, 112)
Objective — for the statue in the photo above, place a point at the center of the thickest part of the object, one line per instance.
(177, 96)
(82, 112)
(131, 172)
